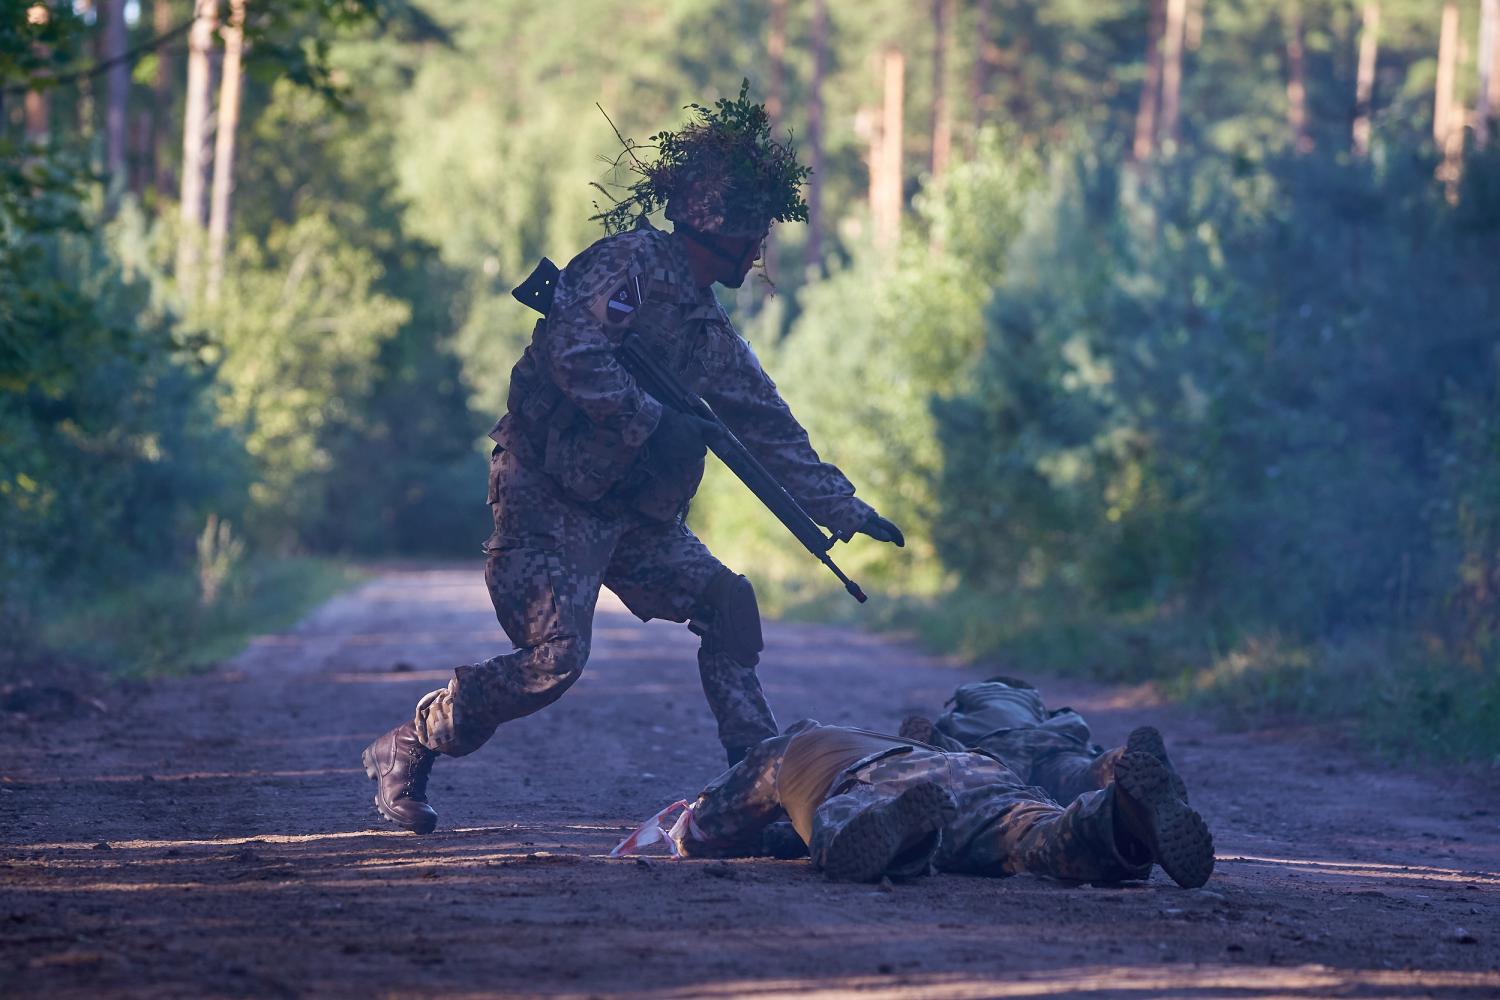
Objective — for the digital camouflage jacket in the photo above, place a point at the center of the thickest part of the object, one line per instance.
(575, 413)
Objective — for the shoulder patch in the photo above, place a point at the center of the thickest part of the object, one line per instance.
(617, 306)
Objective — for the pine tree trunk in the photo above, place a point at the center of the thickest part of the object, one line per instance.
(1145, 115)
(1192, 29)
(941, 128)
(986, 59)
(1447, 112)
(1364, 82)
(1489, 29)
(37, 107)
(161, 90)
(775, 96)
(224, 139)
(117, 96)
(814, 262)
(892, 127)
(1492, 92)
(1296, 80)
(1171, 71)
(1447, 74)
(196, 131)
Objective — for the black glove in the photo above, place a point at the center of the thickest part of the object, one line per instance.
(882, 530)
(678, 439)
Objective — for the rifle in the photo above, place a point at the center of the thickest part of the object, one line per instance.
(664, 385)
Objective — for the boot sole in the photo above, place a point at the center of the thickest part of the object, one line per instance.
(373, 773)
(1147, 739)
(865, 848)
(1179, 839)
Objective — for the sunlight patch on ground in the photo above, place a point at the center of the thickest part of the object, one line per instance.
(1299, 981)
(1370, 869)
(113, 779)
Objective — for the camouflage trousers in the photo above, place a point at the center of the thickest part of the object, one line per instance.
(1052, 750)
(546, 561)
(998, 825)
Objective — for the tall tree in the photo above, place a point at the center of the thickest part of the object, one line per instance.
(941, 126)
(775, 95)
(1145, 115)
(38, 108)
(1296, 80)
(224, 138)
(1492, 92)
(986, 55)
(1192, 29)
(1447, 110)
(1171, 70)
(892, 145)
(1489, 39)
(159, 114)
(1364, 80)
(815, 139)
(1444, 104)
(117, 98)
(196, 130)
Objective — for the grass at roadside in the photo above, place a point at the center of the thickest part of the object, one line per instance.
(1399, 694)
(160, 625)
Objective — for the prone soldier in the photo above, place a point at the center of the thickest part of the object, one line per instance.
(869, 805)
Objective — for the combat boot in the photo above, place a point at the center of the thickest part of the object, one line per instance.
(1147, 739)
(399, 764)
(896, 837)
(1150, 815)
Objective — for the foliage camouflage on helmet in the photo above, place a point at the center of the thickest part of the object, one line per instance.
(720, 173)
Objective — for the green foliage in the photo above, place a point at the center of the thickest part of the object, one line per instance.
(34, 47)
(725, 148)
(1226, 419)
(874, 343)
(110, 453)
(297, 332)
(160, 626)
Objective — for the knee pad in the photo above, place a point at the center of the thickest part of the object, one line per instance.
(728, 619)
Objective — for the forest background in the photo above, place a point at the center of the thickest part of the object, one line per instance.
(1167, 329)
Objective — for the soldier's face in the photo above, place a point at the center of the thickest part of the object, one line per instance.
(741, 256)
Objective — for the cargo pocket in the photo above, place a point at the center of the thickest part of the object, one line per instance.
(529, 589)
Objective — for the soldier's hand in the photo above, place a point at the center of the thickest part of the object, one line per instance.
(882, 530)
(679, 438)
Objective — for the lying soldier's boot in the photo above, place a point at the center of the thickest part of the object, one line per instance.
(399, 765)
(1146, 739)
(897, 836)
(1149, 814)
(916, 727)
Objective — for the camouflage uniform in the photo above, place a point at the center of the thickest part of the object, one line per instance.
(996, 825)
(579, 501)
(1006, 718)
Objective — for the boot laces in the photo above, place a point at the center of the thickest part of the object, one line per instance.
(420, 767)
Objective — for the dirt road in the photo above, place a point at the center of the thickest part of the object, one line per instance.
(214, 837)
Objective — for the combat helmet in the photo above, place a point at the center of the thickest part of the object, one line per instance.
(720, 173)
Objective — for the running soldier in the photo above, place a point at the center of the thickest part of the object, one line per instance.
(590, 476)
(869, 805)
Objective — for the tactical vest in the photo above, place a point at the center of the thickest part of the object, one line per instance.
(688, 331)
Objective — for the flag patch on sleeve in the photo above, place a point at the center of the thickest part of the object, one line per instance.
(623, 301)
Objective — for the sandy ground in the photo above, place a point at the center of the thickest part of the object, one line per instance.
(214, 837)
